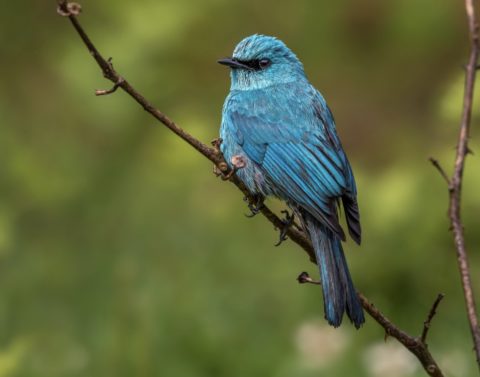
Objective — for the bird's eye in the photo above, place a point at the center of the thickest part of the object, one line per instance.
(264, 63)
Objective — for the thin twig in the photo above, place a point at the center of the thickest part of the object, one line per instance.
(442, 172)
(214, 156)
(431, 314)
(104, 92)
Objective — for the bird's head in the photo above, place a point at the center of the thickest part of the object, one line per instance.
(260, 61)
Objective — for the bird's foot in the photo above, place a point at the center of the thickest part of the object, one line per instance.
(222, 167)
(216, 144)
(287, 223)
(256, 206)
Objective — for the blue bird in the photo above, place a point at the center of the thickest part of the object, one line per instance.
(279, 135)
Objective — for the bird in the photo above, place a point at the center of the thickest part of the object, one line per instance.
(279, 137)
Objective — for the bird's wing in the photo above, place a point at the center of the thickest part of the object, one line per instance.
(293, 140)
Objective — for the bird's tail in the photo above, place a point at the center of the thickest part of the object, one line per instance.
(339, 294)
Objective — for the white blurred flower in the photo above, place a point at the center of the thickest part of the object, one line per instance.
(319, 344)
(389, 359)
(454, 363)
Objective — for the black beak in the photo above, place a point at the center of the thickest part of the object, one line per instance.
(232, 63)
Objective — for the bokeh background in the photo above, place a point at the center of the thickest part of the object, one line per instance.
(122, 255)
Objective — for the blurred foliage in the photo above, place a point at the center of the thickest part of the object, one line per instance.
(122, 255)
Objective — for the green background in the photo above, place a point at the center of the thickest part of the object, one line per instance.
(122, 255)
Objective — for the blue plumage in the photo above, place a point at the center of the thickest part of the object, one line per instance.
(281, 130)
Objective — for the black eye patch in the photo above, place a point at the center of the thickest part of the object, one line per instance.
(256, 64)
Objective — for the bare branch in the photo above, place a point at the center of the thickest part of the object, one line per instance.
(431, 314)
(457, 177)
(65, 8)
(213, 154)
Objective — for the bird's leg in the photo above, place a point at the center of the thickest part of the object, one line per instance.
(218, 170)
(256, 206)
(287, 223)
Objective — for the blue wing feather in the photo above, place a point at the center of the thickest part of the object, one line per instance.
(297, 148)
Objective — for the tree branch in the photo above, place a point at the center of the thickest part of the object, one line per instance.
(457, 177)
(455, 182)
(431, 314)
(416, 346)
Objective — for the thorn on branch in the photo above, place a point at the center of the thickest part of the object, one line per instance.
(431, 314)
(442, 172)
(104, 92)
(66, 9)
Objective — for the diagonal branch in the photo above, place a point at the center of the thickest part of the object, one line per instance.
(417, 347)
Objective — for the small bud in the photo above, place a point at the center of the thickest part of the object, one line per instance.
(304, 277)
(69, 9)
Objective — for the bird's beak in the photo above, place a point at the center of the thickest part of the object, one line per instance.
(232, 63)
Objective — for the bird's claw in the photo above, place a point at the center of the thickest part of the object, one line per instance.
(217, 171)
(216, 143)
(222, 167)
(255, 207)
(287, 223)
(227, 176)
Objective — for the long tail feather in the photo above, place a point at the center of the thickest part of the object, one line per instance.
(338, 291)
